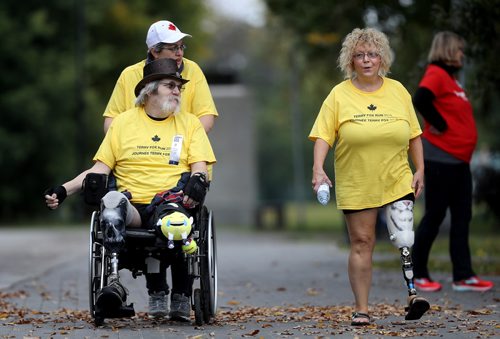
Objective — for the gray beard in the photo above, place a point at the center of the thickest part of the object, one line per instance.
(170, 106)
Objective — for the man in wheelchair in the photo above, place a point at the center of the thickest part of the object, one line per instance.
(148, 149)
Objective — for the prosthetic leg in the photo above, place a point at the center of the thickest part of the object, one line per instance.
(399, 217)
(111, 300)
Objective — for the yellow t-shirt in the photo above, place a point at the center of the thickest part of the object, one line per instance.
(141, 151)
(196, 96)
(371, 133)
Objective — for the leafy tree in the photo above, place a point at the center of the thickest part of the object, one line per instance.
(34, 91)
(477, 22)
(315, 31)
(60, 62)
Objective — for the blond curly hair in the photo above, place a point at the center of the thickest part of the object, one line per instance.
(362, 36)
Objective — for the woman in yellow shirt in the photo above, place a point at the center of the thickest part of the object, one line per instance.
(370, 121)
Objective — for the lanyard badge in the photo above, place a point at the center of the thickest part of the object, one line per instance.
(175, 150)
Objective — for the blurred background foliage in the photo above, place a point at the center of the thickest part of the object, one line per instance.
(60, 60)
(313, 39)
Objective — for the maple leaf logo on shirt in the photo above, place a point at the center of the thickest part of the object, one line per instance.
(156, 138)
(372, 107)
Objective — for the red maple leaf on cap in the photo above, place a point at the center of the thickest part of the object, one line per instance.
(172, 27)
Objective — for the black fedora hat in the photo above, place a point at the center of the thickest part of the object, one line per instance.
(159, 69)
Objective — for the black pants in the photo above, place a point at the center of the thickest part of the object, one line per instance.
(156, 282)
(446, 186)
(181, 281)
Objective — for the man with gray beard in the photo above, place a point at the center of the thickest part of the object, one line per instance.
(148, 149)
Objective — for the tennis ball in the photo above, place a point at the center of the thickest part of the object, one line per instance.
(190, 248)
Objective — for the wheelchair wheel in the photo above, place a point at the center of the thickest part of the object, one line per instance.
(96, 266)
(208, 268)
(198, 313)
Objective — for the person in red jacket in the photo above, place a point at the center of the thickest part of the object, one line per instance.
(449, 139)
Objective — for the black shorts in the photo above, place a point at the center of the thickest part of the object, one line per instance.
(146, 217)
(147, 214)
(409, 196)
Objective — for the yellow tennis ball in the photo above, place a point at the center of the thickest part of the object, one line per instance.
(190, 248)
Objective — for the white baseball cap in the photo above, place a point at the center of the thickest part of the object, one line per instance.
(164, 31)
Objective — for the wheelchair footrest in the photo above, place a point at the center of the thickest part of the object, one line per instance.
(124, 311)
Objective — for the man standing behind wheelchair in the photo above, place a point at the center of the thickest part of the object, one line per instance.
(147, 148)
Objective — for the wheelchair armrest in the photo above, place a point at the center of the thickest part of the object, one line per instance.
(140, 237)
(140, 233)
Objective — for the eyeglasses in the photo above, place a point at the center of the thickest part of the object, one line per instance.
(370, 55)
(175, 48)
(171, 85)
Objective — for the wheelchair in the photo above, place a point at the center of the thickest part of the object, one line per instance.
(144, 245)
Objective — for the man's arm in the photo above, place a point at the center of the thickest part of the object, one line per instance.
(197, 186)
(54, 199)
(199, 167)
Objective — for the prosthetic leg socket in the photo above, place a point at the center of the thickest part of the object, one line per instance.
(113, 220)
(111, 299)
(399, 217)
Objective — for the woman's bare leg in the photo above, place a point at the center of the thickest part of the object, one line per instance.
(361, 227)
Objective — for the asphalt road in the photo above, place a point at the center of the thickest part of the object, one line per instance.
(270, 286)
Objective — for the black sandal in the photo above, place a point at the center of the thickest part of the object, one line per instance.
(362, 316)
(416, 309)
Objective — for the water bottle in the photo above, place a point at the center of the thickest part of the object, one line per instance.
(324, 193)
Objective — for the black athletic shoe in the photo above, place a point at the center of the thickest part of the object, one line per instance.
(417, 306)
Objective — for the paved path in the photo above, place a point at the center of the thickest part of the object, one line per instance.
(270, 286)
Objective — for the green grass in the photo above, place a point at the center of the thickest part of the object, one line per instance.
(484, 252)
(311, 220)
